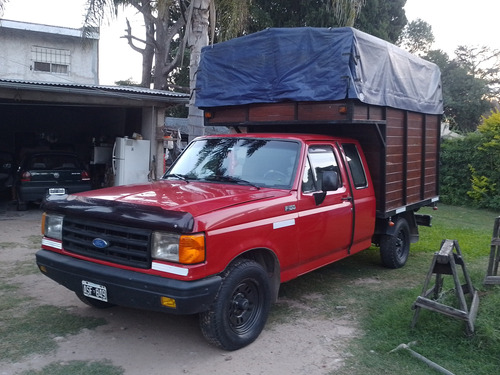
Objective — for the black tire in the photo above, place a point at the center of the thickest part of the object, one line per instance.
(394, 249)
(94, 302)
(22, 206)
(240, 311)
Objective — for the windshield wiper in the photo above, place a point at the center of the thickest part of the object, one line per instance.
(178, 176)
(235, 180)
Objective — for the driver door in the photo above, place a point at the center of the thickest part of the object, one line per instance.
(325, 229)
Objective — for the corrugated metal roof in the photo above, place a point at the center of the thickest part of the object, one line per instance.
(131, 89)
(49, 29)
(129, 92)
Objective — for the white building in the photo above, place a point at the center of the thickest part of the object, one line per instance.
(42, 53)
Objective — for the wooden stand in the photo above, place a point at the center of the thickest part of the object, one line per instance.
(492, 273)
(445, 263)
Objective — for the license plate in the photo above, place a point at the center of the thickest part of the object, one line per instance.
(95, 291)
(57, 191)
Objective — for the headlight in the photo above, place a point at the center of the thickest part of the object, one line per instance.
(186, 249)
(52, 225)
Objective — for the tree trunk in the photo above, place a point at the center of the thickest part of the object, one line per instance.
(198, 38)
(148, 55)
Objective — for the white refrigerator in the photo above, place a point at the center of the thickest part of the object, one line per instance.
(131, 161)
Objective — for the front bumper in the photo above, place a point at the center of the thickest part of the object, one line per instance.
(129, 288)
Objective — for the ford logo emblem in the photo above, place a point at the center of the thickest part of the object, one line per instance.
(100, 243)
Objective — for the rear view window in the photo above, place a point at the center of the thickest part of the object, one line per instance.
(355, 165)
(54, 162)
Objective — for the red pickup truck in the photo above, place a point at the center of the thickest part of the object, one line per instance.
(299, 185)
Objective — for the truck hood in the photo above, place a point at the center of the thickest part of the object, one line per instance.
(197, 198)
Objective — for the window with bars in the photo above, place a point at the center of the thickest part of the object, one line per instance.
(50, 60)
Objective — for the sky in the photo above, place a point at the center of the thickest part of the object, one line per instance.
(458, 22)
(454, 23)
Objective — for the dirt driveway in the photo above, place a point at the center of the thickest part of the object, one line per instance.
(143, 342)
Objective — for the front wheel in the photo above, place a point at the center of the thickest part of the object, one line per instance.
(395, 248)
(239, 313)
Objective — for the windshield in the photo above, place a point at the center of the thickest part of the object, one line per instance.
(258, 162)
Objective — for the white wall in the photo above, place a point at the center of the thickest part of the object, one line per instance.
(16, 58)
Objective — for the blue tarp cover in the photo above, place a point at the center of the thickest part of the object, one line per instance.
(316, 64)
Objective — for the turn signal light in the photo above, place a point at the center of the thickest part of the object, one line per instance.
(192, 249)
(168, 302)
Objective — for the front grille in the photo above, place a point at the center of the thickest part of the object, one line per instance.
(125, 245)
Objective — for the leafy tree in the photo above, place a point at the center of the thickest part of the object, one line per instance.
(382, 18)
(345, 11)
(465, 101)
(417, 37)
(286, 13)
(464, 95)
(483, 63)
(469, 81)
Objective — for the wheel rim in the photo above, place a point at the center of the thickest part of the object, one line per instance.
(244, 307)
(401, 244)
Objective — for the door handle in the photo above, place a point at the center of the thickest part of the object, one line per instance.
(348, 199)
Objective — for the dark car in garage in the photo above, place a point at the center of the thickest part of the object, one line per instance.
(44, 173)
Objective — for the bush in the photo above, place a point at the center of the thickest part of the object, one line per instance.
(470, 167)
(455, 175)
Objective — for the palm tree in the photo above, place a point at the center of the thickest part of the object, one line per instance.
(197, 37)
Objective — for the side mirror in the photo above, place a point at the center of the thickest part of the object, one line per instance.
(329, 182)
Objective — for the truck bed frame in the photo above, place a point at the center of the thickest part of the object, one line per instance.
(401, 147)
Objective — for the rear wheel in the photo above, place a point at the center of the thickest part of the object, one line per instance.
(395, 248)
(240, 310)
(21, 205)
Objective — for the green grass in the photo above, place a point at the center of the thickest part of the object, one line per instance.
(27, 328)
(380, 300)
(77, 368)
(33, 241)
(18, 268)
(386, 317)
(472, 228)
